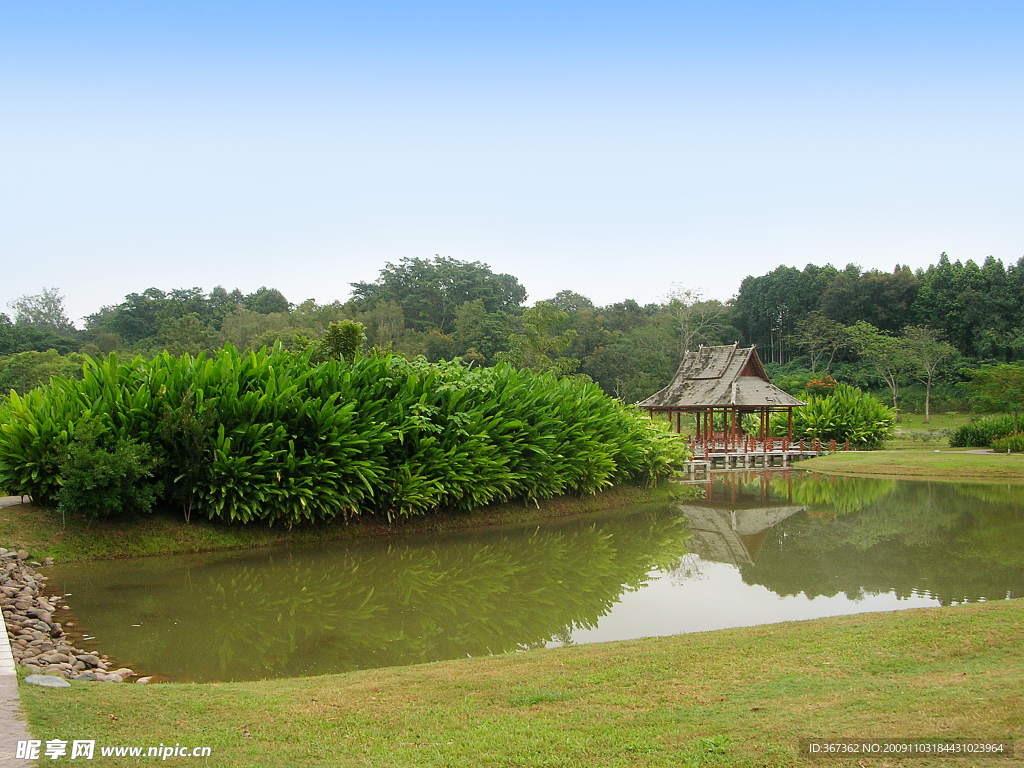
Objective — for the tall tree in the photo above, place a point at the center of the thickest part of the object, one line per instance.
(696, 318)
(887, 354)
(44, 311)
(927, 352)
(431, 291)
(821, 338)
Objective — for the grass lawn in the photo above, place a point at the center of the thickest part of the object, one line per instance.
(739, 697)
(48, 533)
(924, 464)
(912, 432)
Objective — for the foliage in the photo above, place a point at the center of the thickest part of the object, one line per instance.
(101, 481)
(980, 433)
(847, 413)
(888, 355)
(542, 345)
(1012, 443)
(823, 385)
(341, 342)
(431, 291)
(44, 311)
(290, 441)
(25, 370)
(820, 337)
(999, 388)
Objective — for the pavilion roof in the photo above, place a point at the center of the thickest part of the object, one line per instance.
(721, 377)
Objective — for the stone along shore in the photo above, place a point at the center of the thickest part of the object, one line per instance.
(38, 642)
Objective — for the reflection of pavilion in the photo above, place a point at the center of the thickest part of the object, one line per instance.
(731, 526)
(732, 536)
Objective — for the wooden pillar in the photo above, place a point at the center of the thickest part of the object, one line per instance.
(790, 409)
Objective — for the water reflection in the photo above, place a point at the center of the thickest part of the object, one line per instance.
(758, 547)
(310, 610)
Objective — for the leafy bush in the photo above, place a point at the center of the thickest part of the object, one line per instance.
(271, 436)
(101, 482)
(847, 413)
(980, 433)
(1013, 443)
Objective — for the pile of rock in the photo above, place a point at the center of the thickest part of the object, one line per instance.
(37, 641)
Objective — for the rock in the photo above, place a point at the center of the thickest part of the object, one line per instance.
(88, 659)
(143, 680)
(53, 657)
(34, 563)
(112, 678)
(47, 681)
(65, 607)
(78, 666)
(123, 672)
(48, 561)
(22, 554)
(85, 676)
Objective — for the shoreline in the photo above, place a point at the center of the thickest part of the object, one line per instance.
(43, 533)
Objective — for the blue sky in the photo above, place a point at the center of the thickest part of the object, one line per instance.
(609, 148)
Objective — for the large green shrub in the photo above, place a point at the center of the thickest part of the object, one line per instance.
(1012, 443)
(981, 433)
(100, 481)
(271, 436)
(846, 413)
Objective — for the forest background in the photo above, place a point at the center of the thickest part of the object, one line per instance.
(900, 334)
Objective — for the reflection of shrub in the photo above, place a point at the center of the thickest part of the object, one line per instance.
(847, 413)
(980, 433)
(101, 482)
(1013, 443)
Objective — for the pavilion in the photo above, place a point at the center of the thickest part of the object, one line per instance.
(719, 385)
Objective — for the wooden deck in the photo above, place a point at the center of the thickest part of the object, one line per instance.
(749, 453)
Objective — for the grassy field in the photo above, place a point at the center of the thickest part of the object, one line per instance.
(913, 433)
(924, 464)
(741, 697)
(48, 533)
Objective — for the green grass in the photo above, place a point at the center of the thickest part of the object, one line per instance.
(913, 433)
(739, 697)
(924, 464)
(48, 533)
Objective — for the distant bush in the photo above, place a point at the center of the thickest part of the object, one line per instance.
(272, 436)
(1013, 443)
(846, 413)
(980, 433)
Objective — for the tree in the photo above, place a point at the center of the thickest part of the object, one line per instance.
(696, 318)
(341, 342)
(431, 291)
(187, 334)
(44, 310)
(266, 301)
(1000, 388)
(927, 351)
(887, 354)
(819, 336)
(540, 347)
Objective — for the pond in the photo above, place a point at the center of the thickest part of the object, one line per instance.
(757, 548)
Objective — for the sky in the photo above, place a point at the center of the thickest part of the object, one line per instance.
(619, 150)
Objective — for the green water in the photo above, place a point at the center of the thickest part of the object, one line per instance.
(758, 548)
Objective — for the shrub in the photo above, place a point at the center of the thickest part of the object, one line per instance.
(847, 413)
(980, 433)
(1013, 443)
(103, 482)
(272, 436)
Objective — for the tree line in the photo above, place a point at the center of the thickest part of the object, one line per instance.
(906, 333)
